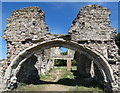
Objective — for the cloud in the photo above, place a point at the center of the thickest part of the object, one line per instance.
(55, 31)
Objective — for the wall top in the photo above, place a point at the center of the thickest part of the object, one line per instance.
(92, 23)
(26, 23)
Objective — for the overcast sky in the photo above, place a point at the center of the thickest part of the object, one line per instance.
(59, 16)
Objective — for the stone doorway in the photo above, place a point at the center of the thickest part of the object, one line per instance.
(31, 72)
(15, 68)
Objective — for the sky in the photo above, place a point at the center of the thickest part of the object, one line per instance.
(59, 16)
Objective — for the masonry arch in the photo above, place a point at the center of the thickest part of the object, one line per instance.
(99, 60)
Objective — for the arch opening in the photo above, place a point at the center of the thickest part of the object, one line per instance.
(39, 69)
(99, 61)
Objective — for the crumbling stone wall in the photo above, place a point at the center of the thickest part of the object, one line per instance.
(56, 53)
(28, 72)
(88, 70)
(92, 23)
(23, 27)
(91, 29)
(45, 58)
(44, 62)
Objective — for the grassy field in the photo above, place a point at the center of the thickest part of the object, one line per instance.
(59, 79)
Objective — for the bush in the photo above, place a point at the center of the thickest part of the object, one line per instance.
(117, 41)
(64, 53)
(74, 63)
(59, 62)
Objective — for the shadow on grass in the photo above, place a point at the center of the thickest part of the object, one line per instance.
(77, 81)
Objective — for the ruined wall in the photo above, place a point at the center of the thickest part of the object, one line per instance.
(83, 64)
(56, 53)
(92, 29)
(28, 72)
(44, 62)
(24, 26)
(3, 67)
(92, 23)
(87, 69)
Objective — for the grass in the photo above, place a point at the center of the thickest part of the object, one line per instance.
(49, 75)
(74, 68)
(63, 80)
(1, 60)
(31, 87)
(61, 87)
(67, 74)
(82, 88)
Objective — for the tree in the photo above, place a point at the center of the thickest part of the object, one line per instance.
(64, 53)
(117, 40)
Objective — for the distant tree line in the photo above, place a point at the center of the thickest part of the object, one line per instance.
(64, 53)
(1, 60)
(59, 62)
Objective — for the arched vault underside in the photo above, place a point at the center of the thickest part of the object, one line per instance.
(98, 59)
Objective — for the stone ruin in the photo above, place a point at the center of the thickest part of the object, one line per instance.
(29, 46)
(46, 59)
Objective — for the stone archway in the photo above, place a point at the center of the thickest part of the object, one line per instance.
(94, 37)
(100, 61)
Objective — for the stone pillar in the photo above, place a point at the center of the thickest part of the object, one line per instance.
(52, 63)
(38, 64)
(69, 65)
(83, 64)
(92, 70)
